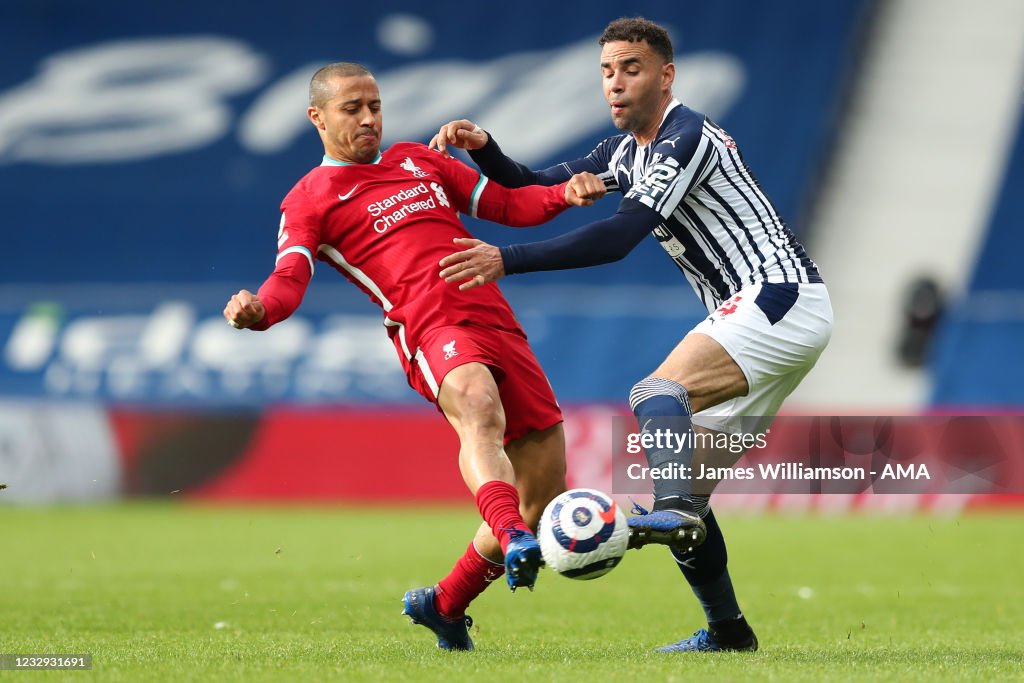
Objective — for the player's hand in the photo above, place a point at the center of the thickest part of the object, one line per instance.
(583, 189)
(478, 264)
(463, 134)
(244, 310)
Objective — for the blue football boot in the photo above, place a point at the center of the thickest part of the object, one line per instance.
(703, 641)
(452, 634)
(680, 530)
(523, 560)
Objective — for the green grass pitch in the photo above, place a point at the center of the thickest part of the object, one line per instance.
(179, 593)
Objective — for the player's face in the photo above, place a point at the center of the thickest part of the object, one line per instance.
(635, 81)
(350, 122)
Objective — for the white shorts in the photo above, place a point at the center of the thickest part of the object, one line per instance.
(775, 340)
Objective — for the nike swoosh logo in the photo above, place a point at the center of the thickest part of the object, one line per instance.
(348, 194)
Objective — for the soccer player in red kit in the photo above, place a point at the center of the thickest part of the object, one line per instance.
(384, 220)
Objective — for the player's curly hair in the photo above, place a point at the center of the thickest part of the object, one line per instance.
(319, 86)
(635, 29)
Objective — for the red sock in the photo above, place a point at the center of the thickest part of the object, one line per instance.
(468, 579)
(498, 502)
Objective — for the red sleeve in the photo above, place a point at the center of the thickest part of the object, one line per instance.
(519, 207)
(297, 242)
(474, 194)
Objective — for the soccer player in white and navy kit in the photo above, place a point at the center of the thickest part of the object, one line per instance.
(769, 317)
(383, 220)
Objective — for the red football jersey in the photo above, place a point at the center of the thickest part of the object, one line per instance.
(386, 225)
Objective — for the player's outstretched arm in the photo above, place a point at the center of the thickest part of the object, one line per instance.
(493, 162)
(277, 298)
(534, 204)
(244, 310)
(600, 242)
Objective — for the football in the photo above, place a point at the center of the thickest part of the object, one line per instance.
(583, 534)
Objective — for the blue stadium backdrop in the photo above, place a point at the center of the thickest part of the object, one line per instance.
(977, 359)
(144, 151)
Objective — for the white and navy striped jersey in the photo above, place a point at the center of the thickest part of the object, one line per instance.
(718, 225)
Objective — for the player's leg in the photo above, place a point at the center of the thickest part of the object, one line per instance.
(712, 375)
(468, 397)
(470, 400)
(534, 441)
(539, 463)
(764, 332)
(538, 460)
(776, 347)
(535, 445)
(705, 568)
(698, 373)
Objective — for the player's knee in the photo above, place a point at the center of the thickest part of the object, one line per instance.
(479, 408)
(652, 387)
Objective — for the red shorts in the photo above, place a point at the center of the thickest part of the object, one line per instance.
(524, 389)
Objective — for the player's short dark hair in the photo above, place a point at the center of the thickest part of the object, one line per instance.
(635, 29)
(319, 86)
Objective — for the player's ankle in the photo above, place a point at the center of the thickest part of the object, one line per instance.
(445, 607)
(680, 503)
(734, 633)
